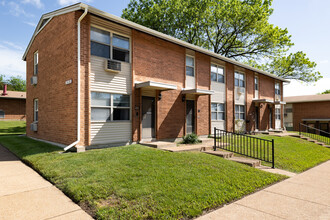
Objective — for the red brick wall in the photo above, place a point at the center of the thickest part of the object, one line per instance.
(230, 97)
(267, 91)
(158, 60)
(14, 108)
(250, 107)
(203, 69)
(307, 110)
(57, 47)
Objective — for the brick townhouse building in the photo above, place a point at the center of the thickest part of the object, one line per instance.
(12, 105)
(97, 79)
(312, 110)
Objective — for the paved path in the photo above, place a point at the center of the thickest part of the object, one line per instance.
(304, 196)
(24, 194)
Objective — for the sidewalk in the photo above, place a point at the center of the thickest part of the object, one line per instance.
(26, 195)
(304, 196)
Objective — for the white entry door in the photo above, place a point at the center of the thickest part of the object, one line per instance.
(277, 117)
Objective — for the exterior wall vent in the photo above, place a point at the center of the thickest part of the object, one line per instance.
(34, 80)
(113, 66)
(34, 126)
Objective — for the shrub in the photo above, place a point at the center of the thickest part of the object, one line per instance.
(191, 139)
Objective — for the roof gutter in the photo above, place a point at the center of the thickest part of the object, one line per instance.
(78, 83)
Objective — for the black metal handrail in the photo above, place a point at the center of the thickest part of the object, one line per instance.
(254, 147)
(314, 133)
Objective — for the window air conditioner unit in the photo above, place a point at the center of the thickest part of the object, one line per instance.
(34, 126)
(113, 66)
(240, 90)
(34, 80)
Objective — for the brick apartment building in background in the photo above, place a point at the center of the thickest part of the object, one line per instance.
(312, 110)
(132, 83)
(12, 105)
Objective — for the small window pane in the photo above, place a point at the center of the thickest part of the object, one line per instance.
(241, 77)
(120, 114)
(189, 71)
(214, 115)
(221, 78)
(100, 114)
(241, 108)
(220, 70)
(2, 114)
(241, 84)
(100, 50)
(236, 116)
(236, 82)
(121, 42)
(36, 119)
(121, 100)
(221, 116)
(213, 107)
(214, 68)
(222, 107)
(100, 99)
(236, 76)
(242, 116)
(236, 108)
(189, 61)
(121, 55)
(213, 77)
(100, 35)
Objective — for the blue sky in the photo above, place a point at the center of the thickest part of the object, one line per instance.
(308, 22)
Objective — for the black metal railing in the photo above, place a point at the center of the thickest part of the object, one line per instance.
(254, 147)
(314, 133)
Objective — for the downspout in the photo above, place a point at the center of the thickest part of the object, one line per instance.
(78, 86)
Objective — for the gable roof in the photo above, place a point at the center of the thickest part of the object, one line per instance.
(130, 24)
(307, 98)
(13, 95)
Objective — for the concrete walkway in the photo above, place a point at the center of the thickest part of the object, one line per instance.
(304, 196)
(24, 194)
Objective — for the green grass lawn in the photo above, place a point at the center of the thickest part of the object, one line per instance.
(12, 127)
(137, 182)
(297, 155)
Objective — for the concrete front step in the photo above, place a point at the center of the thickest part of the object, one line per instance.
(246, 161)
(208, 141)
(224, 154)
(159, 144)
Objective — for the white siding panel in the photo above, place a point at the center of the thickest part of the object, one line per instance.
(239, 97)
(219, 92)
(190, 82)
(217, 124)
(110, 25)
(105, 81)
(256, 94)
(110, 132)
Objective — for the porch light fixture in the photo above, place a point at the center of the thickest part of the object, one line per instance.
(159, 96)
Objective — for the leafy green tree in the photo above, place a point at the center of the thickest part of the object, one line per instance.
(326, 91)
(14, 83)
(237, 29)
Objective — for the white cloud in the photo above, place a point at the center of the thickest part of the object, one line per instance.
(70, 2)
(17, 10)
(11, 62)
(323, 61)
(36, 3)
(3, 3)
(30, 23)
(296, 88)
(13, 45)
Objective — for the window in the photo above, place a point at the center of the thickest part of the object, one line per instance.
(240, 112)
(217, 74)
(108, 45)
(110, 107)
(190, 66)
(35, 110)
(217, 111)
(278, 113)
(277, 89)
(239, 79)
(35, 63)
(256, 83)
(2, 114)
(288, 110)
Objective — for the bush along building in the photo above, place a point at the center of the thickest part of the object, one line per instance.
(97, 79)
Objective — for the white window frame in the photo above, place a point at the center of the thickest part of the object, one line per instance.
(224, 115)
(239, 80)
(240, 112)
(112, 107)
(4, 114)
(35, 110)
(111, 41)
(277, 114)
(256, 83)
(218, 66)
(277, 90)
(193, 67)
(35, 63)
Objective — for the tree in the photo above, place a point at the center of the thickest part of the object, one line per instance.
(14, 83)
(326, 91)
(237, 29)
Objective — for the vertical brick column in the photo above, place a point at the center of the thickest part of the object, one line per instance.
(250, 108)
(230, 97)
